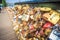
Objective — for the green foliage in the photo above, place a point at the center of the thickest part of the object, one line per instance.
(4, 3)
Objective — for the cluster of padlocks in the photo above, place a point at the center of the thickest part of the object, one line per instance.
(34, 23)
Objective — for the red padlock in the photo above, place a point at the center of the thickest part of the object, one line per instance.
(47, 25)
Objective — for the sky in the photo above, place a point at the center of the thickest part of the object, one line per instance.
(13, 1)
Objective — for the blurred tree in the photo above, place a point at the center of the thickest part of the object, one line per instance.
(4, 3)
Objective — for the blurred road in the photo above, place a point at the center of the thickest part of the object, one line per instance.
(6, 29)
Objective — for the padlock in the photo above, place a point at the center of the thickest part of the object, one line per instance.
(16, 28)
(37, 16)
(42, 38)
(47, 25)
(42, 22)
(24, 23)
(45, 9)
(35, 25)
(41, 33)
(35, 38)
(47, 31)
(32, 17)
(17, 32)
(52, 16)
(26, 27)
(30, 39)
(38, 36)
(31, 27)
(25, 17)
(29, 35)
